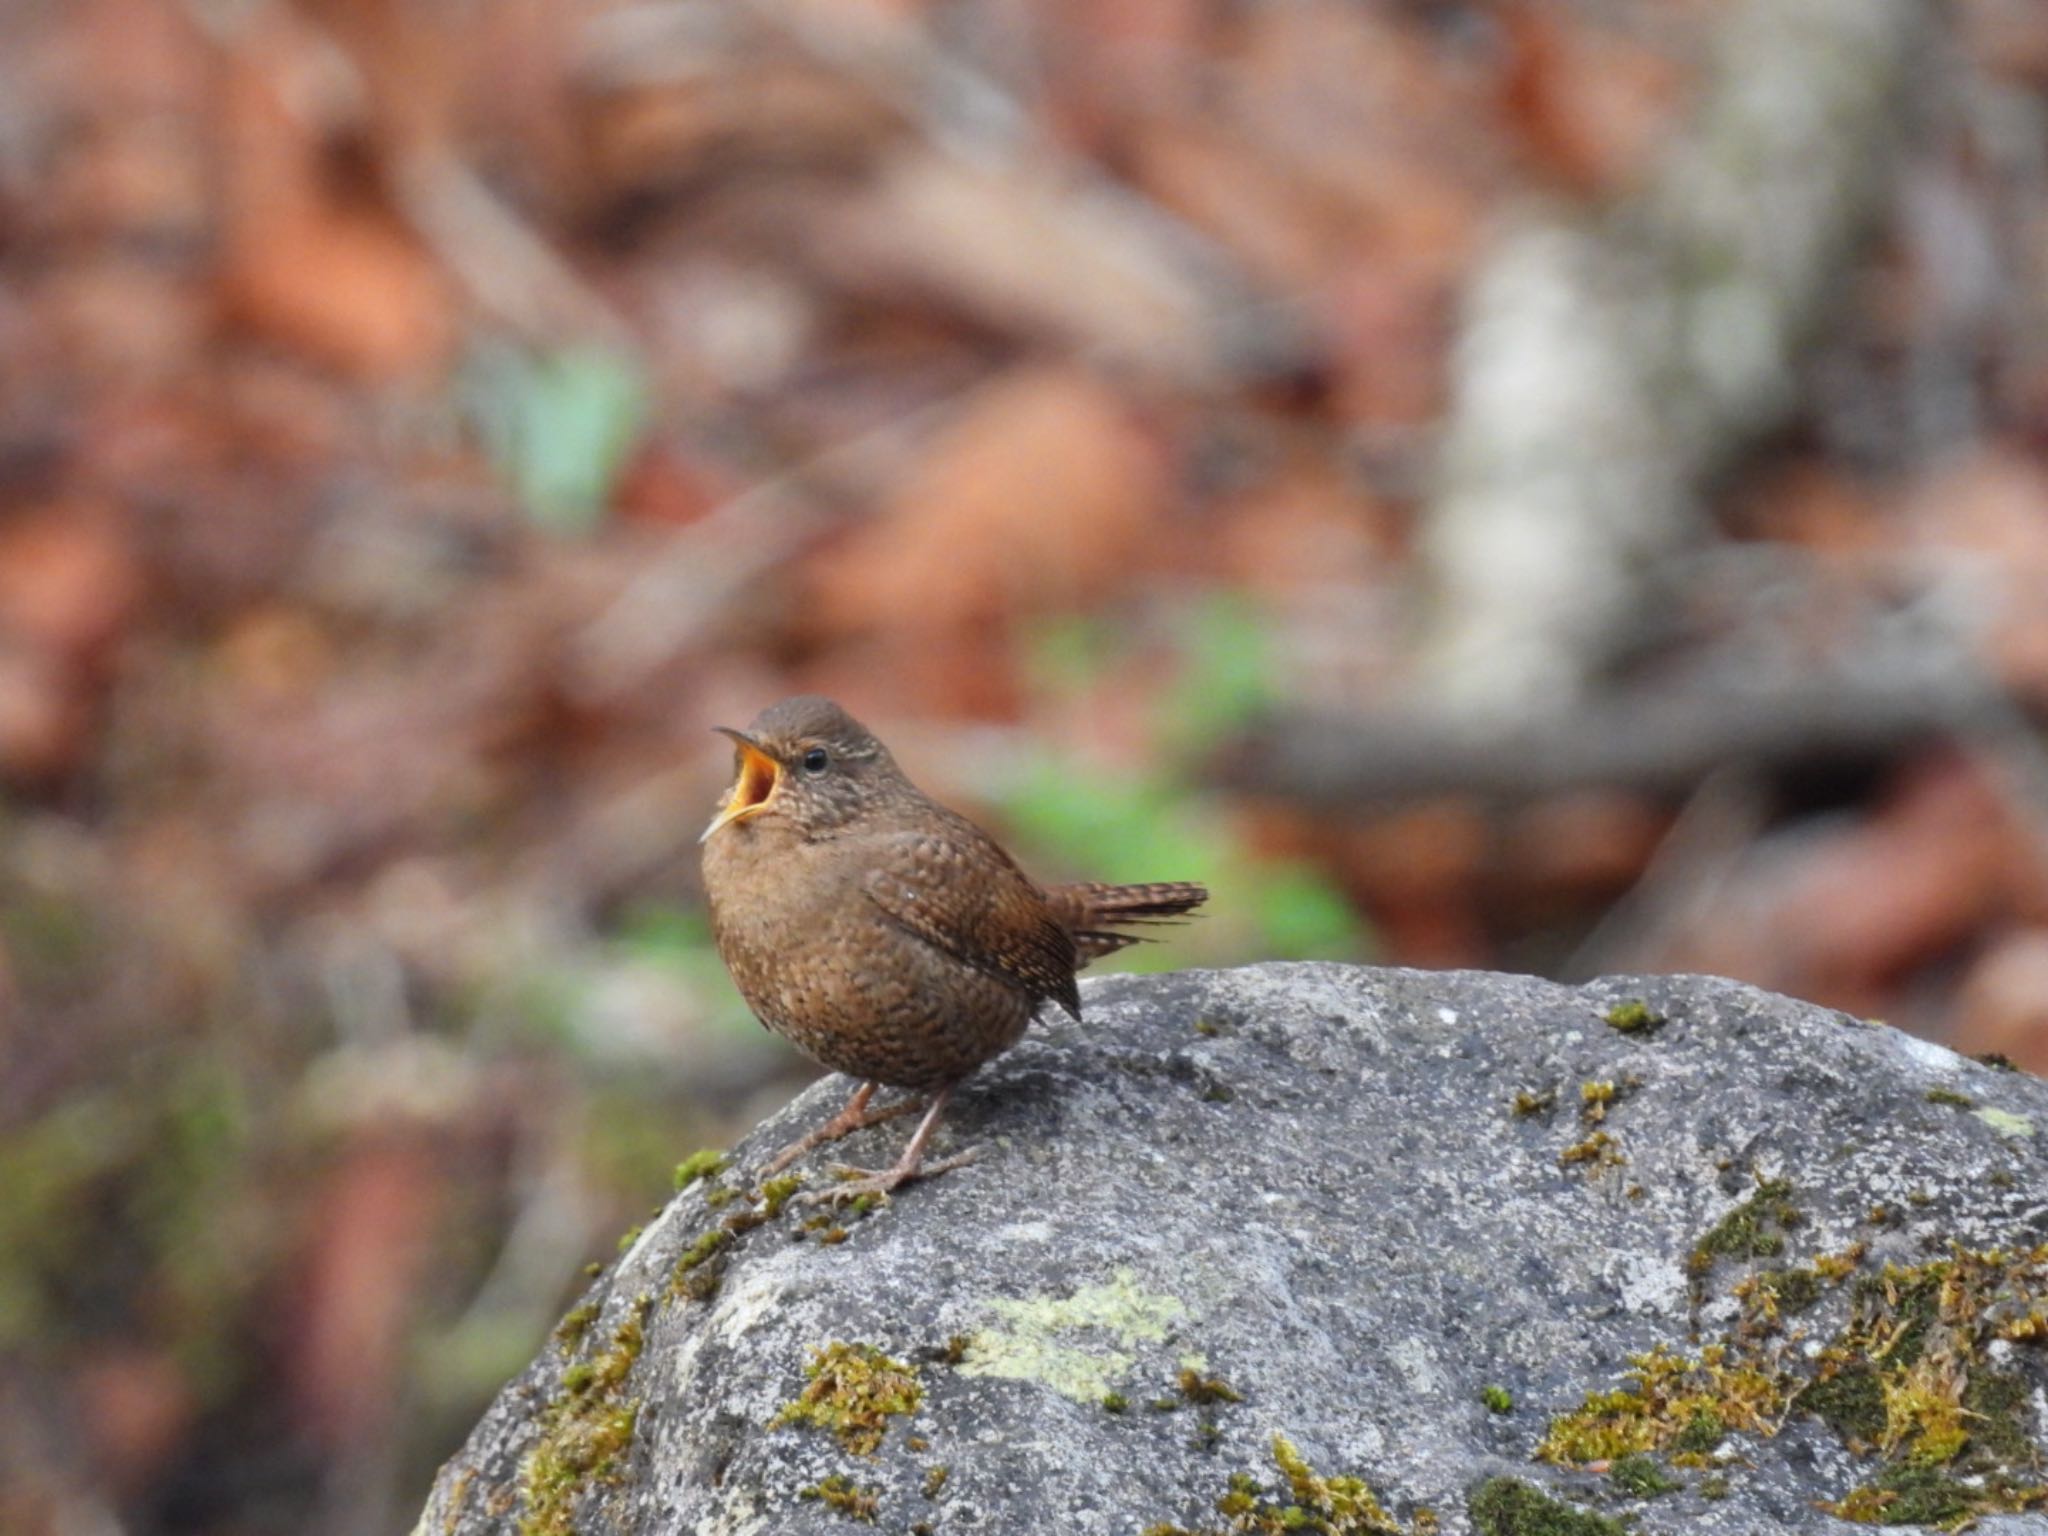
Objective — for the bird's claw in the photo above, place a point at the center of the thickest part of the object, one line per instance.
(857, 1183)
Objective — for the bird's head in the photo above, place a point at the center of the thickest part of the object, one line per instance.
(807, 764)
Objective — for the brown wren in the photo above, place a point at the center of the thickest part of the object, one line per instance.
(883, 935)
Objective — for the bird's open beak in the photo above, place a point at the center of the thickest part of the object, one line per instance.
(752, 788)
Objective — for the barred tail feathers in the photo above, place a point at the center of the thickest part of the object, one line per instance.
(1093, 912)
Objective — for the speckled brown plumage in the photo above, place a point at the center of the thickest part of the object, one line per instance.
(882, 934)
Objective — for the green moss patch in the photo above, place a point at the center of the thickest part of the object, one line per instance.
(840, 1494)
(699, 1165)
(1300, 1500)
(1850, 1402)
(1920, 1495)
(1507, 1506)
(574, 1324)
(1905, 1381)
(1755, 1229)
(691, 1278)
(1634, 1017)
(1642, 1477)
(584, 1433)
(1666, 1397)
(1770, 1296)
(852, 1391)
(1597, 1151)
(1197, 1388)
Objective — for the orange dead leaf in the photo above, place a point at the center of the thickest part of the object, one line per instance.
(67, 579)
(1039, 496)
(310, 262)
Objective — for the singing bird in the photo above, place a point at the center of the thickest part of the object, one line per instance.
(882, 934)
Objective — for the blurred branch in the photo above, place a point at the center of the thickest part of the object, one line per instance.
(1607, 369)
(1663, 740)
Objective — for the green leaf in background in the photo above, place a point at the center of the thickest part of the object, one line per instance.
(1302, 915)
(1065, 654)
(1226, 672)
(560, 427)
(1112, 825)
(1103, 825)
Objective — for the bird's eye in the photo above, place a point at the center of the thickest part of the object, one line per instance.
(817, 760)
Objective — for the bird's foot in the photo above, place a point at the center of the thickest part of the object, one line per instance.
(856, 1116)
(855, 1183)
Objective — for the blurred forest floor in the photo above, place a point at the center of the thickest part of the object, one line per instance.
(419, 422)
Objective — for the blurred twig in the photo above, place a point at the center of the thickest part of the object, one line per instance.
(986, 205)
(712, 563)
(1715, 828)
(509, 270)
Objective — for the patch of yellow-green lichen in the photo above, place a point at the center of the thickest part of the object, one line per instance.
(2009, 1125)
(1078, 1345)
(852, 1391)
(584, 1433)
(840, 1494)
(775, 1193)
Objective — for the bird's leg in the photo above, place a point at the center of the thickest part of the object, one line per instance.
(855, 1117)
(911, 1165)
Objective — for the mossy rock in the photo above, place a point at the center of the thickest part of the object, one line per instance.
(1357, 1255)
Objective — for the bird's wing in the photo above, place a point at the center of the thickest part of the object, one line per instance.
(959, 892)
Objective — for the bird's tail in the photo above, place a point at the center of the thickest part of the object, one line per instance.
(1093, 913)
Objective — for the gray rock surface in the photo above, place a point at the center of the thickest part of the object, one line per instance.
(1310, 1183)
